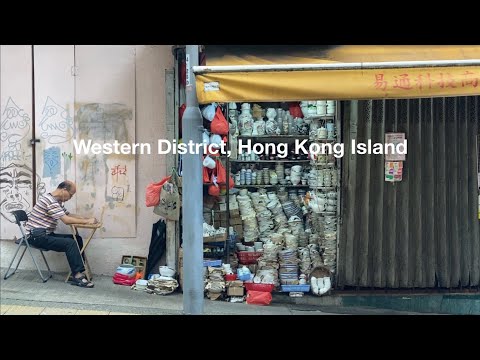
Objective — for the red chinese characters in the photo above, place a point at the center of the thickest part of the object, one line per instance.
(118, 170)
(425, 81)
(402, 82)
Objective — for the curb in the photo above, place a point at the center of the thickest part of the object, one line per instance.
(456, 304)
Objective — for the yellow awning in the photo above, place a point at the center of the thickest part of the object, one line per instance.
(356, 83)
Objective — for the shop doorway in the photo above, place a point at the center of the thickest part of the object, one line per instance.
(43, 88)
(420, 232)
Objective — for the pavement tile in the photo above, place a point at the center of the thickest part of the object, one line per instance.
(24, 310)
(58, 311)
(91, 312)
(120, 313)
(4, 308)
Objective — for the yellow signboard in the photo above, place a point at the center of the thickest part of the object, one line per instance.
(357, 84)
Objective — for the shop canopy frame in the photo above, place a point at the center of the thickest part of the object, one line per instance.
(265, 81)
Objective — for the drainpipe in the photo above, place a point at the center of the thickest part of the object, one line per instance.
(192, 196)
(33, 140)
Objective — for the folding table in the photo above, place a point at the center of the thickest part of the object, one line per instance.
(93, 228)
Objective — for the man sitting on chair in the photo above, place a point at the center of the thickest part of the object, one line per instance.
(42, 222)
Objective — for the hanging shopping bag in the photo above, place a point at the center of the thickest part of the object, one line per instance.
(206, 175)
(177, 179)
(152, 193)
(221, 173)
(219, 123)
(169, 206)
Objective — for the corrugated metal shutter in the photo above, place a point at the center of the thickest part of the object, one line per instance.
(422, 232)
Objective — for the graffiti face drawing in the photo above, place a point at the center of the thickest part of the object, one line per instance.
(16, 189)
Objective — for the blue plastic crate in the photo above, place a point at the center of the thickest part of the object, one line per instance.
(207, 262)
(296, 288)
(245, 277)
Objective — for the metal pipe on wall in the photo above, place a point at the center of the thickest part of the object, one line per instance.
(192, 196)
(33, 141)
(334, 66)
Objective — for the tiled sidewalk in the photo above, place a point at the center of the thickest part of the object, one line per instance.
(36, 310)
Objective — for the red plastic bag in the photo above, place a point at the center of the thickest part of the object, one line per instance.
(221, 173)
(259, 297)
(214, 190)
(121, 279)
(206, 175)
(152, 193)
(295, 110)
(219, 123)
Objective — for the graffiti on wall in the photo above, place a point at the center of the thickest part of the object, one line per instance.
(118, 193)
(51, 162)
(14, 129)
(56, 125)
(17, 189)
(119, 179)
(104, 122)
(67, 162)
(89, 167)
(107, 180)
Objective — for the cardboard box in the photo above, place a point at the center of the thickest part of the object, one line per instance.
(223, 223)
(238, 229)
(235, 291)
(215, 238)
(140, 262)
(209, 202)
(234, 212)
(235, 221)
(220, 215)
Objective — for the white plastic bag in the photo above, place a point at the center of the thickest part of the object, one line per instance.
(208, 162)
(206, 138)
(215, 140)
(208, 111)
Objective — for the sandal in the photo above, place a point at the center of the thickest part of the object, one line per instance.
(82, 282)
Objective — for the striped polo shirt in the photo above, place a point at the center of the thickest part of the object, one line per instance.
(46, 213)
